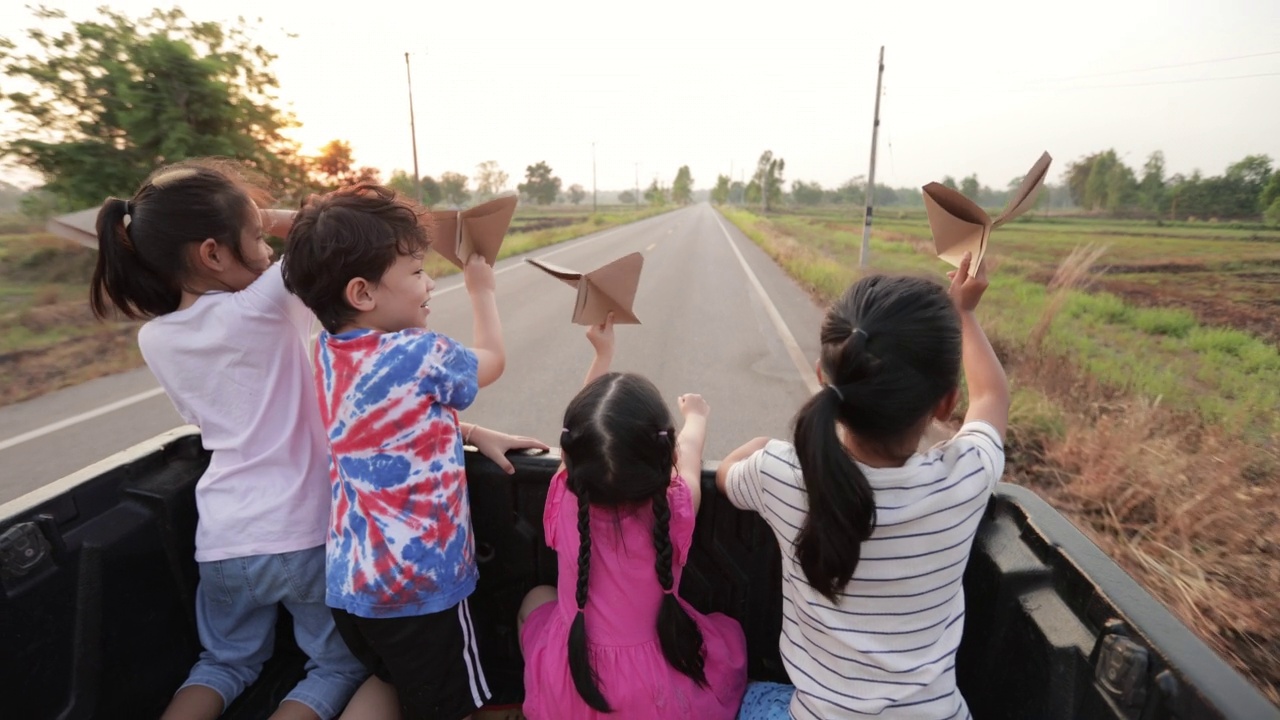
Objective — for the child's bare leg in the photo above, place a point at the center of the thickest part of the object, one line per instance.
(375, 700)
(537, 597)
(294, 710)
(194, 702)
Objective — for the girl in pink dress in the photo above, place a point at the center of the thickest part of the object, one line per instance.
(613, 637)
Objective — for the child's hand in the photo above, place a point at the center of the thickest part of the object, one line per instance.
(495, 445)
(693, 404)
(966, 290)
(601, 336)
(277, 222)
(478, 275)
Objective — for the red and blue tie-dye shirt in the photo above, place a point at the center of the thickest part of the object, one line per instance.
(400, 525)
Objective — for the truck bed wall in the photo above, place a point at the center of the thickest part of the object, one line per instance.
(97, 602)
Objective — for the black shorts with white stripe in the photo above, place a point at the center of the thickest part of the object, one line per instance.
(432, 660)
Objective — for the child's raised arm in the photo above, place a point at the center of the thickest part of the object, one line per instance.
(690, 442)
(601, 338)
(490, 352)
(988, 386)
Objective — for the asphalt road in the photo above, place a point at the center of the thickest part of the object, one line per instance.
(718, 317)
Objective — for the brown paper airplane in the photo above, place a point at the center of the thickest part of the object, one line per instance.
(610, 288)
(479, 230)
(960, 226)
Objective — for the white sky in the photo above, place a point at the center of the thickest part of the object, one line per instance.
(981, 86)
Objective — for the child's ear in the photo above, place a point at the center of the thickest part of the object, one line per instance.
(359, 295)
(947, 405)
(817, 366)
(211, 256)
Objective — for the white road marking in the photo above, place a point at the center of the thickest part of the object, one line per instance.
(788, 340)
(654, 245)
(77, 419)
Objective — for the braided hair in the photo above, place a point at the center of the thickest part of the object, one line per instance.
(618, 445)
(890, 352)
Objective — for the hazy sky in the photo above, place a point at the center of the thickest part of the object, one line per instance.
(981, 86)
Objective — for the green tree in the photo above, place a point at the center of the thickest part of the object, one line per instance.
(540, 185)
(806, 193)
(453, 189)
(1078, 174)
(576, 193)
(490, 179)
(682, 186)
(1122, 188)
(720, 193)
(1151, 190)
(737, 192)
(626, 197)
(971, 188)
(1270, 193)
(99, 103)
(768, 176)
(655, 194)
(947, 181)
(403, 184)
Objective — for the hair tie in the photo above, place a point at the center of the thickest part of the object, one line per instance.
(836, 390)
(662, 433)
(861, 332)
(128, 211)
(564, 430)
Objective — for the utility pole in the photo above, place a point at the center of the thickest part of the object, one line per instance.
(594, 207)
(413, 132)
(871, 175)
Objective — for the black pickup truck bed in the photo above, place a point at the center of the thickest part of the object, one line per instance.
(97, 589)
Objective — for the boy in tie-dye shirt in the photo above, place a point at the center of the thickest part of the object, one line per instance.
(400, 554)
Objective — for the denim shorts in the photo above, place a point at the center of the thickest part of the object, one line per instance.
(236, 607)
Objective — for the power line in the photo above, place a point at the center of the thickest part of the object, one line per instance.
(1164, 67)
(1158, 82)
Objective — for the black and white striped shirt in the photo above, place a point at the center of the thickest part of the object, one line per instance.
(887, 647)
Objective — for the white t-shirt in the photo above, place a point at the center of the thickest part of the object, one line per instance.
(235, 365)
(887, 646)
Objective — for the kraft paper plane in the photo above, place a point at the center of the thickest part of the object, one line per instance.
(960, 226)
(479, 230)
(611, 288)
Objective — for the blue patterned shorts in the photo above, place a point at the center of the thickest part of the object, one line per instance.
(766, 701)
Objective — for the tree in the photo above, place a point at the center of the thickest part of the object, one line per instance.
(626, 197)
(490, 179)
(403, 184)
(1078, 178)
(1151, 193)
(540, 185)
(99, 103)
(335, 167)
(720, 193)
(1122, 188)
(737, 192)
(806, 193)
(682, 186)
(655, 194)
(769, 176)
(453, 189)
(950, 182)
(1270, 193)
(971, 188)
(576, 193)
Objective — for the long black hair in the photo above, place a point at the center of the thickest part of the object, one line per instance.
(142, 262)
(890, 353)
(619, 448)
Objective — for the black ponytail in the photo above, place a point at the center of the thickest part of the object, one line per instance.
(891, 352)
(120, 276)
(678, 634)
(143, 242)
(584, 674)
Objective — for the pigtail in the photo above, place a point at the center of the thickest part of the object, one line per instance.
(677, 632)
(120, 278)
(584, 675)
(841, 511)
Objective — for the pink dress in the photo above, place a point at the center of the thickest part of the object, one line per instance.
(621, 615)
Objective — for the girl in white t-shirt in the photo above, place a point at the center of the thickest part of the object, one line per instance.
(228, 344)
(874, 534)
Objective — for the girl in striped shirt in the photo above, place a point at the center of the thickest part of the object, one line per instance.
(874, 533)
